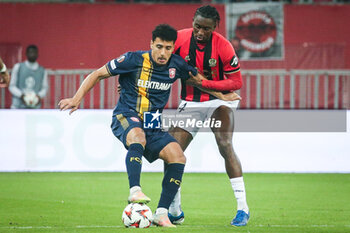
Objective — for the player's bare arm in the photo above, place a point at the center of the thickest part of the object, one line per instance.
(88, 83)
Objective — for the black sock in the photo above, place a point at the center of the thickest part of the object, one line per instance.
(133, 163)
(171, 183)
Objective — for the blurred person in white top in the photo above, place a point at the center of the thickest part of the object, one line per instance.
(27, 78)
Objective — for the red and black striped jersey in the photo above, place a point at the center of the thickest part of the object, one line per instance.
(214, 59)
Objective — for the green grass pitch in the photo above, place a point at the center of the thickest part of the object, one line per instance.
(93, 202)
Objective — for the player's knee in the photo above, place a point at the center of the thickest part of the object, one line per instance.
(225, 143)
(176, 156)
(142, 141)
(140, 138)
(182, 158)
(172, 153)
(136, 136)
(223, 139)
(225, 146)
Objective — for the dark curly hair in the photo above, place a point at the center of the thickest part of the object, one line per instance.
(208, 12)
(164, 32)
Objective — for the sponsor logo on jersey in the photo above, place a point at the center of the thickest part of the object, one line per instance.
(172, 72)
(234, 61)
(212, 62)
(153, 85)
(113, 66)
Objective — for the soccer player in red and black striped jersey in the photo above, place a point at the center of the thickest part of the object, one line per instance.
(213, 56)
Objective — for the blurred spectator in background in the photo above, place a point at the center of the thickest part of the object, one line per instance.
(4, 75)
(28, 84)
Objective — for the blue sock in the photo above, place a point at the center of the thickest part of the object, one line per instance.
(171, 183)
(133, 163)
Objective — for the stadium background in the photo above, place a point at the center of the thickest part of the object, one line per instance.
(73, 39)
(294, 118)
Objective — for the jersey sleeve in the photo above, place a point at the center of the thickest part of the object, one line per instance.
(232, 83)
(185, 69)
(121, 65)
(229, 58)
(231, 68)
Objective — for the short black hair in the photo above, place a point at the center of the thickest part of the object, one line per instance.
(32, 46)
(208, 12)
(164, 32)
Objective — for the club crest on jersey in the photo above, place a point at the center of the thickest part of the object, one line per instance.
(212, 62)
(172, 72)
(120, 59)
(187, 58)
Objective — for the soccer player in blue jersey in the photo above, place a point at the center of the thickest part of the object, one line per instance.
(145, 78)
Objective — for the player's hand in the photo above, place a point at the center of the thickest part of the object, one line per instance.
(195, 80)
(231, 96)
(68, 104)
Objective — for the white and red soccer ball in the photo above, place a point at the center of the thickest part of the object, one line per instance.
(137, 215)
(31, 99)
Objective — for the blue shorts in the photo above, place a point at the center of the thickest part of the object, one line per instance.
(156, 139)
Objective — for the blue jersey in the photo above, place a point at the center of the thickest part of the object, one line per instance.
(145, 86)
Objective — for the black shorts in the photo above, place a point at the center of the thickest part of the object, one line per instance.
(156, 139)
